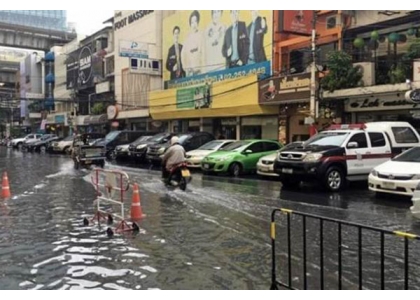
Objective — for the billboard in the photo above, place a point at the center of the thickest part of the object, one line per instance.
(134, 49)
(84, 68)
(214, 45)
(296, 21)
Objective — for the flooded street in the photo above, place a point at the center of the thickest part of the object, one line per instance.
(216, 235)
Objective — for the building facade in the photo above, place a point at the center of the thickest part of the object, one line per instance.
(211, 70)
(45, 19)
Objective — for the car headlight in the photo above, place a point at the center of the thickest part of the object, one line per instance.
(418, 187)
(313, 157)
(374, 173)
(223, 158)
(161, 150)
(416, 177)
(141, 147)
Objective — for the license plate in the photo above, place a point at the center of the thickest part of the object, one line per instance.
(57, 149)
(206, 166)
(287, 171)
(262, 169)
(88, 161)
(389, 185)
(185, 173)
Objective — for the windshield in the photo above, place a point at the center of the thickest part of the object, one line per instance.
(142, 139)
(111, 136)
(235, 146)
(327, 139)
(46, 137)
(412, 155)
(159, 137)
(213, 145)
(68, 139)
(183, 138)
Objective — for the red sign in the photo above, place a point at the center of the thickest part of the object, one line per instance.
(296, 21)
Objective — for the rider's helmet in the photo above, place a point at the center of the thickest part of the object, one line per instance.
(174, 140)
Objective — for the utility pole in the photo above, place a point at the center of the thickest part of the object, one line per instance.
(313, 100)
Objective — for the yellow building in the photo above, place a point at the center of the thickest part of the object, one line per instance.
(233, 111)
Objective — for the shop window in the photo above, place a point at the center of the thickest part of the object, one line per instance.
(404, 135)
(377, 139)
(360, 139)
(250, 132)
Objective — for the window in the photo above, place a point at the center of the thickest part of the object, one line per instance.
(256, 147)
(377, 139)
(360, 139)
(271, 146)
(404, 135)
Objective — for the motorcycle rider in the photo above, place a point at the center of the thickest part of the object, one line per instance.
(172, 157)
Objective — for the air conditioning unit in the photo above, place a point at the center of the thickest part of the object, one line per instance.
(368, 71)
(331, 22)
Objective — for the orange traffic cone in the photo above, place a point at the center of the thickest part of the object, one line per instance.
(136, 210)
(5, 188)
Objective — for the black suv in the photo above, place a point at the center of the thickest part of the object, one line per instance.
(137, 150)
(190, 141)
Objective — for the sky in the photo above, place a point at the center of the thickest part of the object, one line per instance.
(88, 21)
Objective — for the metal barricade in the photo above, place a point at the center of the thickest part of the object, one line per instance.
(114, 184)
(320, 227)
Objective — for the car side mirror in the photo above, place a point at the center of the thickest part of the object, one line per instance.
(352, 145)
(248, 152)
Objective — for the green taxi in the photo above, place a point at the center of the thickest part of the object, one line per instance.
(238, 157)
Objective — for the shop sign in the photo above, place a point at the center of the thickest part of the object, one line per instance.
(112, 112)
(283, 89)
(376, 104)
(138, 15)
(413, 96)
(197, 97)
(59, 119)
(134, 49)
(102, 87)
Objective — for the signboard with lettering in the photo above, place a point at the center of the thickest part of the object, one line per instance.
(378, 104)
(134, 49)
(284, 89)
(130, 18)
(197, 97)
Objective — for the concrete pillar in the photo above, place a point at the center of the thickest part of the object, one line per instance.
(238, 128)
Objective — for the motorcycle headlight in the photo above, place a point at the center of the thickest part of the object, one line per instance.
(313, 157)
(374, 173)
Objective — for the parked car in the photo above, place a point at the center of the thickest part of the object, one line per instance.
(63, 146)
(190, 141)
(18, 143)
(41, 145)
(344, 152)
(138, 149)
(122, 152)
(195, 157)
(239, 157)
(265, 165)
(117, 138)
(400, 176)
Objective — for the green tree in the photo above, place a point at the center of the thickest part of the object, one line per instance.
(342, 74)
(98, 109)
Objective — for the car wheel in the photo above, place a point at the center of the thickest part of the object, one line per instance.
(76, 165)
(235, 169)
(111, 155)
(43, 149)
(67, 150)
(334, 179)
(19, 146)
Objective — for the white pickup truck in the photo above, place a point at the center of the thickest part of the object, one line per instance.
(17, 143)
(344, 152)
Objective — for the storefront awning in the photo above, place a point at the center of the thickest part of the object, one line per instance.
(92, 120)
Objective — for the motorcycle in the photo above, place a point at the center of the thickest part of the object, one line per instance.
(179, 176)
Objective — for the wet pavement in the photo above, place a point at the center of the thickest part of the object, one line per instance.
(213, 236)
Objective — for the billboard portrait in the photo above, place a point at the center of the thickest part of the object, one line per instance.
(215, 45)
(296, 21)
